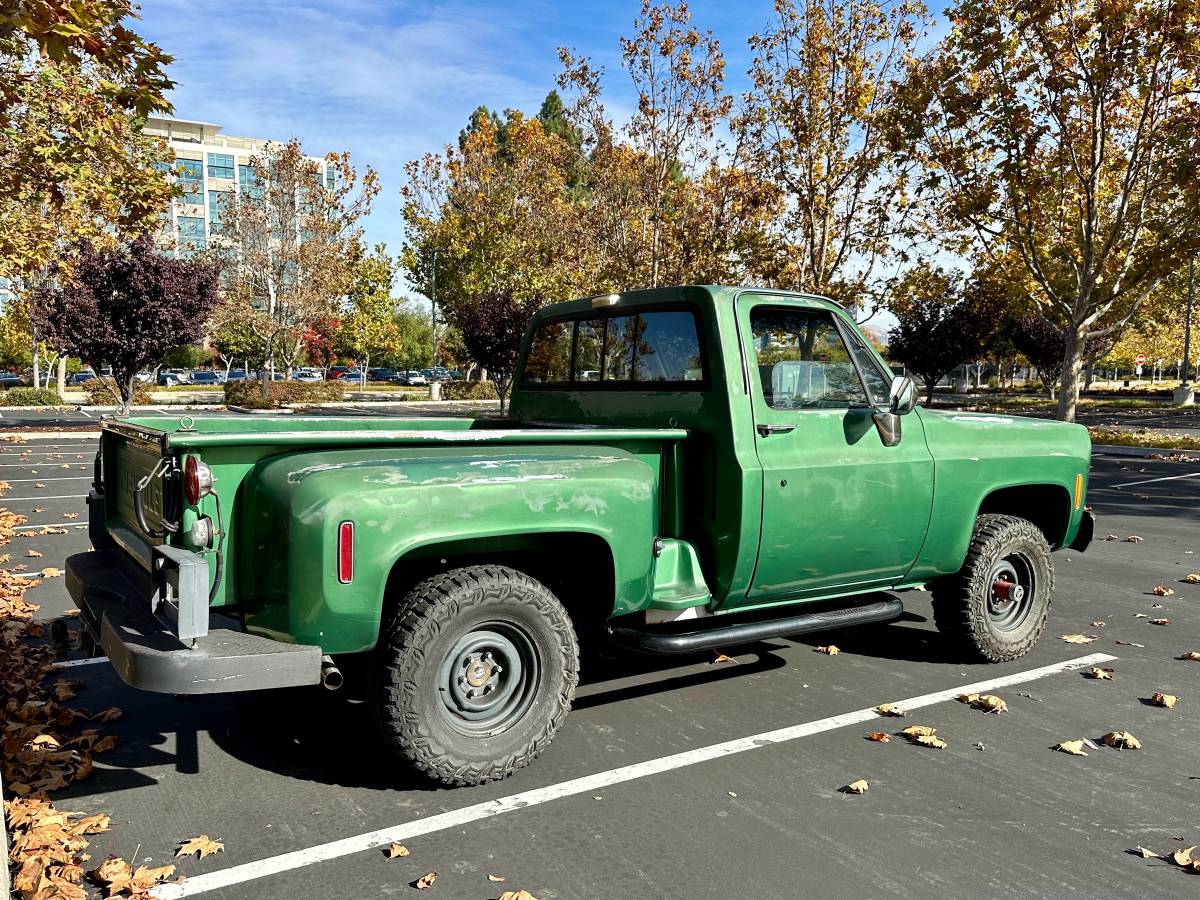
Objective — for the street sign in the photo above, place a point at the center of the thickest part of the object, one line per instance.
(1141, 359)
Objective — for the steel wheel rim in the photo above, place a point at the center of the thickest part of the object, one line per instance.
(1012, 591)
(488, 679)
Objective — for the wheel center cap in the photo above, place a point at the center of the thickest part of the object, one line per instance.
(478, 674)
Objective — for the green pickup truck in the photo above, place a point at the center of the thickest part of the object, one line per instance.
(682, 469)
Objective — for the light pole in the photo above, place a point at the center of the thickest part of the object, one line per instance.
(1184, 394)
(433, 306)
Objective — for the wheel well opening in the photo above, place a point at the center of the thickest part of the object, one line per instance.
(1048, 506)
(577, 567)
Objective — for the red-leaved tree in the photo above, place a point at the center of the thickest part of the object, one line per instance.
(492, 324)
(126, 307)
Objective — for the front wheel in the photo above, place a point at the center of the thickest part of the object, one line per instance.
(474, 674)
(996, 605)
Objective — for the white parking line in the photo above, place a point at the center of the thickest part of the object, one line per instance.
(66, 524)
(90, 661)
(37, 497)
(64, 478)
(1152, 480)
(587, 784)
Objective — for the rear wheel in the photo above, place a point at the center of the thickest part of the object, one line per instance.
(996, 605)
(474, 674)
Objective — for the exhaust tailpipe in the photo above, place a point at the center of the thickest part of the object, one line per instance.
(331, 675)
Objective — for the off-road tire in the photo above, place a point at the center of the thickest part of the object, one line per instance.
(407, 680)
(961, 601)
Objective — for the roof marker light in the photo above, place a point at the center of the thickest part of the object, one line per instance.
(606, 300)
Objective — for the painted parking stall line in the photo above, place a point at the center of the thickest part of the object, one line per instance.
(371, 840)
(1153, 480)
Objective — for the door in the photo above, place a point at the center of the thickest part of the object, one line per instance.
(840, 509)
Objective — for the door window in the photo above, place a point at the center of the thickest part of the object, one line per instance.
(802, 361)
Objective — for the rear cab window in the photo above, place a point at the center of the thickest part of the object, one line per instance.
(658, 349)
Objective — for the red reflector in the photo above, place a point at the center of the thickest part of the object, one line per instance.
(191, 480)
(345, 552)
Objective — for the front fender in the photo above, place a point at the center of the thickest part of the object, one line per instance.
(402, 501)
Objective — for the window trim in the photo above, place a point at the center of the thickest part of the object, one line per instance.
(757, 388)
(851, 336)
(612, 312)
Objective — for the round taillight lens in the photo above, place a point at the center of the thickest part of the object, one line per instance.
(197, 480)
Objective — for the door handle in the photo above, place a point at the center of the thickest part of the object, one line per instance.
(768, 428)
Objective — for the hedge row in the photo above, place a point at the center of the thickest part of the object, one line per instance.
(30, 396)
(248, 394)
(469, 390)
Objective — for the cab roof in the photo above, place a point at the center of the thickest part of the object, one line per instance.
(694, 293)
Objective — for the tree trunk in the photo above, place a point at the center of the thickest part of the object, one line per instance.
(1091, 371)
(36, 369)
(1072, 368)
(929, 384)
(62, 374)
(126, 393)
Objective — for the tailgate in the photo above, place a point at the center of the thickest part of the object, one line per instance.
(134, 462)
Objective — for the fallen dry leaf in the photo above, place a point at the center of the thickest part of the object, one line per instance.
(1075, 748)
(1133, 539)
(856, 787)
(1099, 674)
(108, 715)
(1161, 590)
(394, 850)
(38, 485)
(1141, 615)
(1191, 655)
(831, 650)
(987, 702)
(33, 554)
(1192, 578)
(496, 879)
(1098, 624)
(891, 709)
(516, 895)
(722, 658)
(51, 572)
(916, 731)
(1078, 638)
(425, 882)
(1122, 740)
(1183, 856)
(1160, 621)
(1165, 700)
(1145, 853)
(202, 846)
(71, 515)
(930, 740)
(1130, 644)
(881, 736)
(1110, 537)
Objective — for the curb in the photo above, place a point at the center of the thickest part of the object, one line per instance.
(1142, 452)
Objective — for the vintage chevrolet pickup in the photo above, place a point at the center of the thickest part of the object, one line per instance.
(682, 469)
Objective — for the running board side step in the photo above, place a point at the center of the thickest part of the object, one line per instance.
(888, 610)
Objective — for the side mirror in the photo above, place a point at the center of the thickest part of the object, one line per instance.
(903, 395)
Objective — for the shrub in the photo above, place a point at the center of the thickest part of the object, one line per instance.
(104, 392)
(31, 396)
(469, 390)
(279, 393)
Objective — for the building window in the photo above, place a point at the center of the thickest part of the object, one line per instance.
(329, 177)
(218, 202)
(189, 175)
(191, 233)
(220, 165)
(248, 181)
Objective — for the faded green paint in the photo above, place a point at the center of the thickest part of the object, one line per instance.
(745, 521)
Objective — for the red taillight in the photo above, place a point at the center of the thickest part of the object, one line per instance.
(345, 552)
(197, 480)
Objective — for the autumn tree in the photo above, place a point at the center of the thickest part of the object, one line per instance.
(320, 342)
(289, 242)
(1069, 134)
(126, 307)
(940, 325)
(367, 327)
(232, 339)
(492, 325)
(815, 122)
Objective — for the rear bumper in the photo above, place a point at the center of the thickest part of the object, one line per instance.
(1087, 529)
(116, 598)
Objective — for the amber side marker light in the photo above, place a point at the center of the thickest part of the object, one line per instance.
(345, 552)
(1078, 490)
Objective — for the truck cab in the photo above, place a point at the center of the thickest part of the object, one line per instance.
(681, 469)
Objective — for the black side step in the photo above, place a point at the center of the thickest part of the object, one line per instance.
(747, 632)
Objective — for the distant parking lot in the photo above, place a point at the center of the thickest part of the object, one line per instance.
(688, 777)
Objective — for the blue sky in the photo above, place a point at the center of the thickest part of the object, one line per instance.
(389, 81)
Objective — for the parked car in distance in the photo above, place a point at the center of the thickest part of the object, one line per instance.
(144, 377)
(308, 375)
(336, 372)
(204, 376)
(10, 379)
(82, 377)
(413, 379)
(235, 375)
(172, 377)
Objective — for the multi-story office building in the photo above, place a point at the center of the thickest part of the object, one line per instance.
(208, 166)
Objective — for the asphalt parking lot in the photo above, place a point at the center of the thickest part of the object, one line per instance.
(688, 777)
